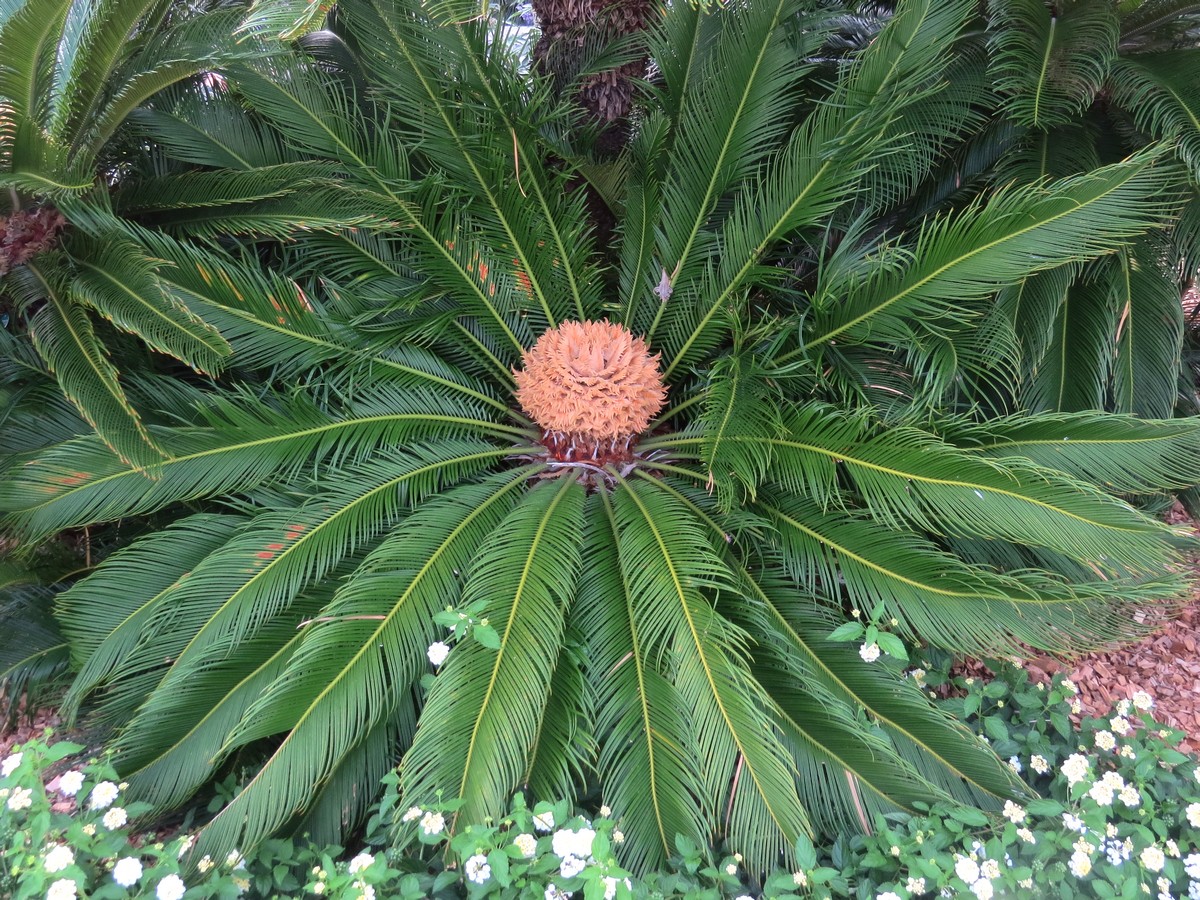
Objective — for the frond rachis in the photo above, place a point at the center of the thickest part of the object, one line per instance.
(593, 387)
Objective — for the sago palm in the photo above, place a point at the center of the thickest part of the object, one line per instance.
(646, 482)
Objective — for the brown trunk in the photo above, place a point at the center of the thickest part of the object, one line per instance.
(606, 97)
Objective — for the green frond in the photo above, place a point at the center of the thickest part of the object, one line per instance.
(482, 716)
(1149, 335)
(285, 21)
(1051, 61)
(748, 775)
(1124, 455)
(82, 481)
(360, 655)
(208, 127)
(1031, 306)
(103, 615)
(28, 49)
(968, 256)
(65, 338)
(738, 401)
(219, 188)
(647, 761)
(564, 752)
(1157, 89)
(1073, 373)
(120, 283)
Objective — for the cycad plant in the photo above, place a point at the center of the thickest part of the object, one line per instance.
(652, 485)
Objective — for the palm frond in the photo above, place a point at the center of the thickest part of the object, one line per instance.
(667, 561)
(647, 760)
(120, 283)
(1051, 60)
(1125, 455)
(483, 712)
(82, 481)
(103, 615)
(366, 648)
(1017, 231)
(1074, 371)
(65, 338)
(1149, 335)
(1154, 87)
(28, 47)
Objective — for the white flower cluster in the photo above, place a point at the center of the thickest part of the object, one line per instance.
(574, 848)
(70, 783)
(437, 653)
(527, 844)
(1116, 851)
(477, 869)
(869, 652)
(10, 763)
(978, 878)
(1014, 812)
(58, 858)
(360, 862)
(63, 889)
(1039, 764)
(20, 798)
(1193, 814)
(127, 871)
(1075, 767)
(170, 888)
(103, 795)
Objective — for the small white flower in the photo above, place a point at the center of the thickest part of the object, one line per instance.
(1080, 864)
(10, 764)
(1026, 835)
(1119, 724)
(235, 860)
(413, 813)
(544, 821)
(1193, 814)
(1069, 686)
(571, 866)
(605, 811)
(437, 653)
(127, 871)
(1102, 793)
(477, 869)
(553, 893)
(731, 869)
(799, 878)
(63, 889)
(990, 869)
(983, 889)
(103, 795)
(1153, 858)
(360, 862)
(59, 857)
(618, 836)
(90, 829)
(1076, 706)
(21, 798)
(966, 869)
(610, 886)
(1172, 849)
(1074, 823)
(170, 888)
(888, 895)
(1123, 707)
(1191, 865)
(1075, 768)
(1142, 700)
(432, 823)
(1130, 796)
(365, 891)
(186, 844)
(1014, 763)
(115, 818)
(527, 844)
(242, 885)
(1126, 751)
(869, 652)
(206, 864)
(915, 885)
(1014, 812)
(1082, 846)
(1105, 740)
(1039, 764)
(69, 783)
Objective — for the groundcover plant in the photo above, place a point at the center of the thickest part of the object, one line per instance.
(647, 519)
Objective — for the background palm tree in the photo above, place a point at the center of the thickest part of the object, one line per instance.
(656, 611)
